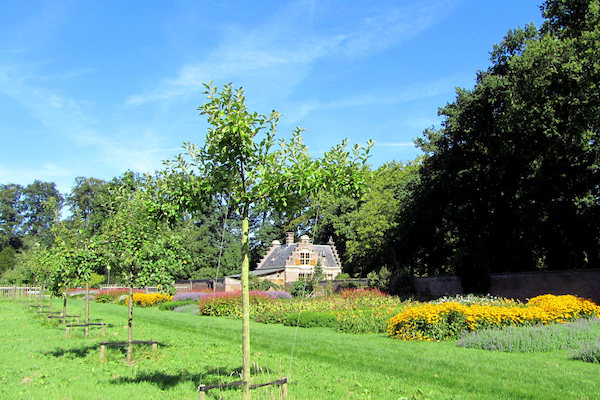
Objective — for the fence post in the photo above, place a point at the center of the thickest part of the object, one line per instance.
(202, 392)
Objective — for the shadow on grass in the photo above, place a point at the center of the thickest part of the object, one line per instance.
(164, 381)
(81, 351)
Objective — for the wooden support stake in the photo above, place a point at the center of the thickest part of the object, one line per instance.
(283, 389)
(103, 353)
(202, 392)
(154, 347)
(68, 331)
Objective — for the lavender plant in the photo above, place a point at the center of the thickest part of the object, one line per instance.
(534, 338)
(588, 351)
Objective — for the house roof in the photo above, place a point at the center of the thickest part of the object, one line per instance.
(278, 257)
(260, 272)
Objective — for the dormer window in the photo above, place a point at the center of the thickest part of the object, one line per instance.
(304, 258)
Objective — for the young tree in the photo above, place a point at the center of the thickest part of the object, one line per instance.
(234, 161)
(141, 247)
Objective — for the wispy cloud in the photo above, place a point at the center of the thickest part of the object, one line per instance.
(394, 144)
(46, 172)
(277, 55)
(130, 147)
(413, 92)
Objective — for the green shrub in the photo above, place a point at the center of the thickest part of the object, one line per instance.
(311, 319)
(96, 280)
(301, 288)
(171, 305)
(230, 304)
(349, 285)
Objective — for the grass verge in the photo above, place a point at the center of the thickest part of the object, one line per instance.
(40, 362)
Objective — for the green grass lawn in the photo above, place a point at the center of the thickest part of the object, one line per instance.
(39, 362)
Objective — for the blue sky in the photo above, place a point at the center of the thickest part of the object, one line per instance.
(94, 88)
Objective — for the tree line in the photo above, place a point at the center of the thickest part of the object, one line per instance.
(509, 182)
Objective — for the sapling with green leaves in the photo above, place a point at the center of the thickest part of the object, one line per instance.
(140, 247)
(240, 159)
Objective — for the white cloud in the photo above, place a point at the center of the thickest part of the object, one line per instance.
(47, 172)
(394, 144)
(280, 53)
(297, 112)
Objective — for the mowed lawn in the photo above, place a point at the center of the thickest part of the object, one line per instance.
(39, 362)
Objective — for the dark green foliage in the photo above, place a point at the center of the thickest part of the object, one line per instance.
(7, 259)
(41, 203)
(350, 284)
(301, 288)
(380, 280)
(368, 231)
(88, 201)
(511, 181)
(171, 305)
(311, 319)
(10, 211)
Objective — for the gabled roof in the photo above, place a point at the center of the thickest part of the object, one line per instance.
(326, 250)
(278, 257)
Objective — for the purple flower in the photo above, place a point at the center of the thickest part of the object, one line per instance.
(278, 294)
(189, 296)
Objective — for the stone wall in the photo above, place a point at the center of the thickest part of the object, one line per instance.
(523, 285)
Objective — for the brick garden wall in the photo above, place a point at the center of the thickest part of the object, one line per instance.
(523, 285)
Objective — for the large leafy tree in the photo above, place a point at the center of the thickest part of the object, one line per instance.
(88, 202)
(369, 231)
(10, 214)
(37, 214)
(512, 178)
(235, 160)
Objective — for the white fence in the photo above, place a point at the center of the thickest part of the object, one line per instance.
(18, 291)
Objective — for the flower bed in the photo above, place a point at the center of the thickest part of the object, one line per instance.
(447, 319)
(149, 299)
(112, 295)
(355, 311)
(189, 296)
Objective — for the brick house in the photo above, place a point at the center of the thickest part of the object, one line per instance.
(286, 263)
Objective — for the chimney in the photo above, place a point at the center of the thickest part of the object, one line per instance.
(289, 239)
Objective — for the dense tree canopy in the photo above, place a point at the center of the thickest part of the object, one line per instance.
(512, 178)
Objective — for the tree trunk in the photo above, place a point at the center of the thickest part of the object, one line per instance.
(87, 308)
(130, 323)
(41, 296)
(245, 308)
(64, 312)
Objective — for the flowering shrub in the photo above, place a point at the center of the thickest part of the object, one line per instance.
(189, 296)
(470, 299)
(278, 294)
(229, 304)
(149, 299)
(445, 320)
(357, 311)
(524, 339)
(112, 295)
(588, 351)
